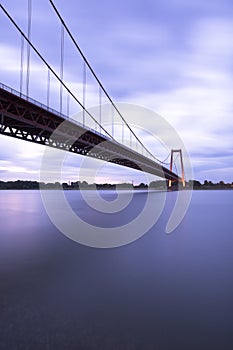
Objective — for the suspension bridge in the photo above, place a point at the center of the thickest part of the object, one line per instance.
(25, 118)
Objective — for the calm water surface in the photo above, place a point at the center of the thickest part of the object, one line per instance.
(161, 292)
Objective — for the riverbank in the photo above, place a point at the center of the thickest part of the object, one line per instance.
(160, 185)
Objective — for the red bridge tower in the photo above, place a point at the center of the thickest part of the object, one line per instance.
(182, 179)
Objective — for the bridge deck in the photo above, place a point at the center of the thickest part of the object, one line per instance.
(28, 120)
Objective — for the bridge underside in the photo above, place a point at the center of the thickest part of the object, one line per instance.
(28, 120)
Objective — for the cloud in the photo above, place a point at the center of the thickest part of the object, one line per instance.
(200, 105)
(176, 60)
(212, 38)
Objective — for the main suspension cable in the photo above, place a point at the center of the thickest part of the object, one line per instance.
(97, 79)
(51, 69)
(60, 79)
(164, 161)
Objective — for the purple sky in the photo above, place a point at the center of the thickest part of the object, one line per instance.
(174, 57)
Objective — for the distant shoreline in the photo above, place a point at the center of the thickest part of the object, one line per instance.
(159, 185)
(106, 190)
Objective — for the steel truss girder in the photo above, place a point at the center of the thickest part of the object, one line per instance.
(24, 120)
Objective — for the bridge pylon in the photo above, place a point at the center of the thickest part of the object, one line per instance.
(182, 179)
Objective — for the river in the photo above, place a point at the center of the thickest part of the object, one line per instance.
(162, 291)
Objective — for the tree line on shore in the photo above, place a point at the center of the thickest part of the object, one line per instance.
(159, 185)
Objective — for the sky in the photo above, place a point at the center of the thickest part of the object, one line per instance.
(173, 57)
